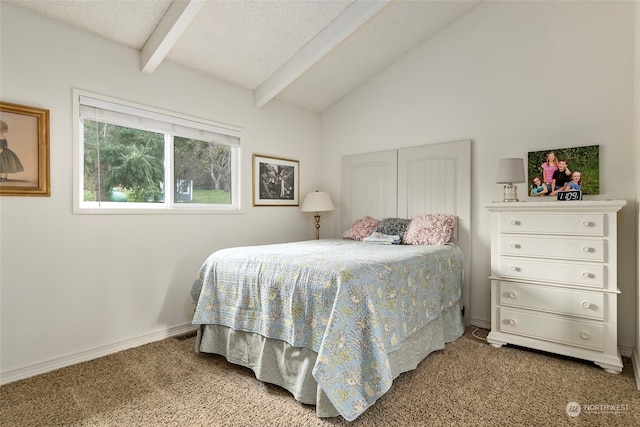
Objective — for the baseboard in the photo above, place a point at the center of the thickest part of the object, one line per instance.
(481, 323)
(635, 361)
(625, 351)
(84, 356)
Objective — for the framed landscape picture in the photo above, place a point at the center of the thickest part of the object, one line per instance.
(275, 181)
(24, 150)
(581, 165)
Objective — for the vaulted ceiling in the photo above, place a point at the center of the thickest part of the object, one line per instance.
(304, 52)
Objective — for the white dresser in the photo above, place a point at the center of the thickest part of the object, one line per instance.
(554, 278)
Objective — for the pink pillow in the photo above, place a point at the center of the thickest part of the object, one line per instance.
(430, 230)
(361, 228)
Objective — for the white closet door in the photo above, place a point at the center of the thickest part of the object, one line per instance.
(369, 186)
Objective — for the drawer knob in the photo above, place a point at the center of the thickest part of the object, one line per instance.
(585, 335)
(512, 295)
(514, 268)
(512, 322)
(586, 224)
(587, 275)
(514, 222)
(515, 245)
(586, 304)
(586, 249)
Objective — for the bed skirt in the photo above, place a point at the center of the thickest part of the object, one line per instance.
(274, 361)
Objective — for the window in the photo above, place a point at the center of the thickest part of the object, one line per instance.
(137, 158)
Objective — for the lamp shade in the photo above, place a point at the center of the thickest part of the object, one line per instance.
(510, 171)
(318, 201)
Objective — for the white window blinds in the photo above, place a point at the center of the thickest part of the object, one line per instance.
(121, 115)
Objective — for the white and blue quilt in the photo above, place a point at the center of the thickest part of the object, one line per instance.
(350, 302)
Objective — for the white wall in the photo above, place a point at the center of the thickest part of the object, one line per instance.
(77, 283)
(513, 77)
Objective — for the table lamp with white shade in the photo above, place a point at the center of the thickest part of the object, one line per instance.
(317, 202)
(510, 171)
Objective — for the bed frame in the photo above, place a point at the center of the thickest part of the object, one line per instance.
(407, 182)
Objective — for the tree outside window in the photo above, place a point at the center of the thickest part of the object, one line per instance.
(131, 156)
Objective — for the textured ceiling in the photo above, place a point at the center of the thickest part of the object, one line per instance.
(304, 52)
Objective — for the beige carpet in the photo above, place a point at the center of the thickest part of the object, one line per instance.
(469, 383)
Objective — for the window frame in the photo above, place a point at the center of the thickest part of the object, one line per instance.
(169, 206)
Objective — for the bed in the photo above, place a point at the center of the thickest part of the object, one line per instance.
(335, 321)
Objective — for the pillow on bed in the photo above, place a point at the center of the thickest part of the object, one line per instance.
(393, 226)
(361, 228)
(430, 230)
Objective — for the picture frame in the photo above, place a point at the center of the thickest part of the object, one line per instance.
(276, 181)
(24, 155)
(583, 161)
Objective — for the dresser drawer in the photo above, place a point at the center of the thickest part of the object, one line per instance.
(556, 300)
(574, 273)
(588, 224)
(572, 248)
(552, 328)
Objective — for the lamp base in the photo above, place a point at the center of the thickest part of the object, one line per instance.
(317, 218)
(510, 193)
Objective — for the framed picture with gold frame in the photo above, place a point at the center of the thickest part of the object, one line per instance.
(24, 150)
(275, 181)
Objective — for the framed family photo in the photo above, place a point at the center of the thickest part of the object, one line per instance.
(562, 172)
(24, 150)
(275, 181)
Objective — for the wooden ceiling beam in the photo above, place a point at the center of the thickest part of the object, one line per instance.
(174, 22)
(333, 34)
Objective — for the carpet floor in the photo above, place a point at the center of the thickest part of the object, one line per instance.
(469, 383)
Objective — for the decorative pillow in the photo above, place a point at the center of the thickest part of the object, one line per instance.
(430, 230)
(361, 228)
(393, 226)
